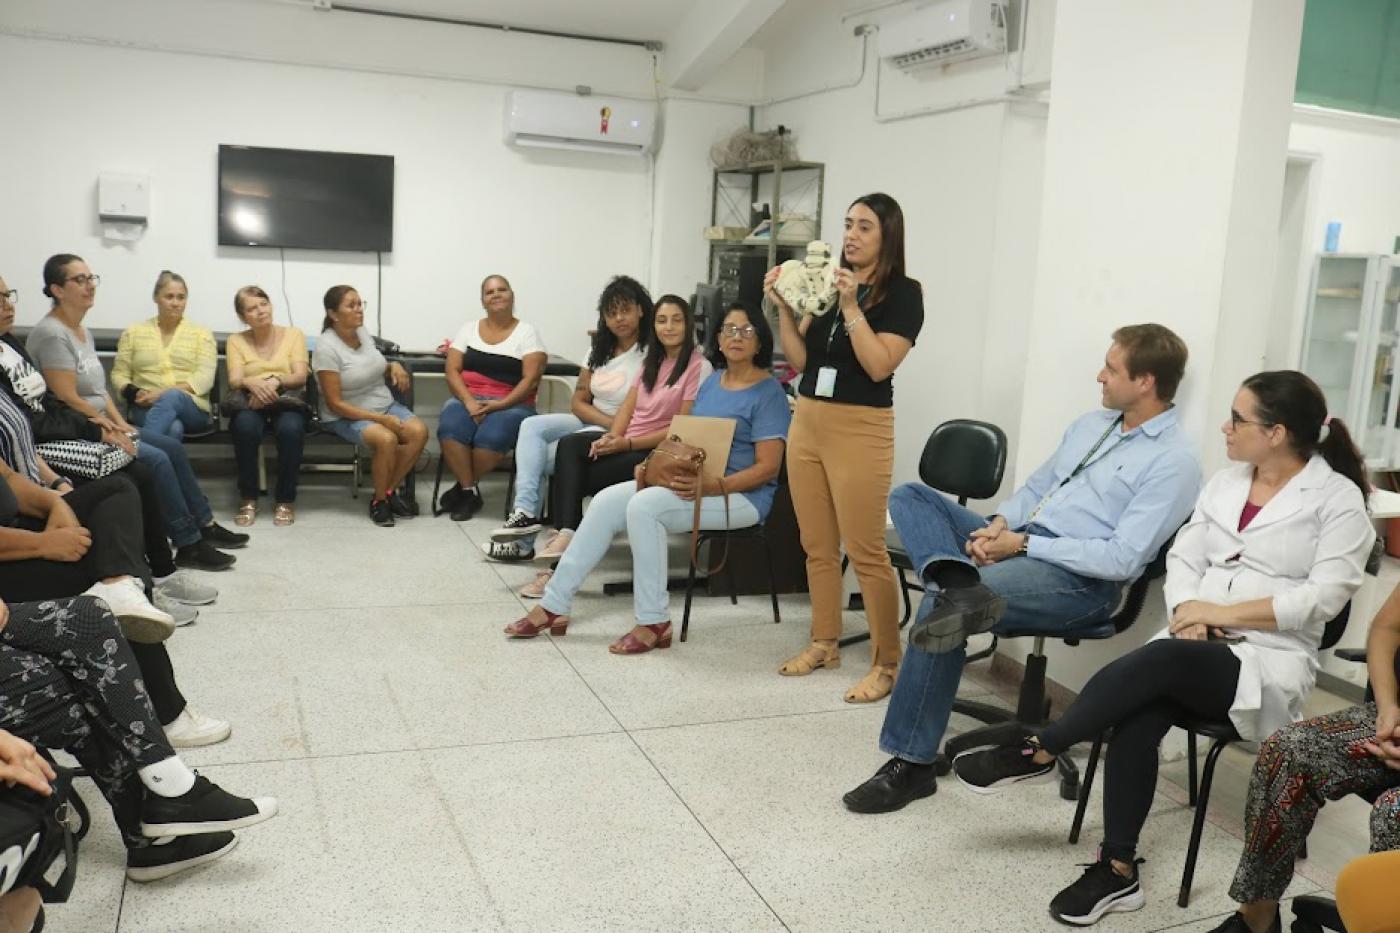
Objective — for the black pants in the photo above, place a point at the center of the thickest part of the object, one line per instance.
(289, 429)
(1139, 696)
(70, 681)
(576, 477)
(98, 505)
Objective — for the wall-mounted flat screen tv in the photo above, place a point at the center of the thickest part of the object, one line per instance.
(302, 199)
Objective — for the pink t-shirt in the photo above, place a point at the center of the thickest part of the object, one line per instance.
(656, 408)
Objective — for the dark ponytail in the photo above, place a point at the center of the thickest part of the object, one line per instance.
(1289, 398)
(330, 301)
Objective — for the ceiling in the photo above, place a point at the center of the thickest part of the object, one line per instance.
(628, 19)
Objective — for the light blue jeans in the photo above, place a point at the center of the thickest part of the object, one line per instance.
(1040, 598)
(649, 517)
(534, 455)
(173, 414)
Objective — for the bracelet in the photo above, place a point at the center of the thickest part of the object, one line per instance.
(629, 443)
(59, 481)
(850, 325)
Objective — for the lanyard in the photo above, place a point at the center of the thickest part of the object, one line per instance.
(1088, 458)
(861, 292)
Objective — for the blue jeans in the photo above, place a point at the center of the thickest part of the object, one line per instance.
(351, 431)
(173, 414)
(534, 455)
(649, 516)
(289, 428)
(1041, 598)
(182, 502)
(496, 432)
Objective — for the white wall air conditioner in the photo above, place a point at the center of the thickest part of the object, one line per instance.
(944, 31)
(555, 120)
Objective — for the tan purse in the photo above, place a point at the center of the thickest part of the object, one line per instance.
(673, 459)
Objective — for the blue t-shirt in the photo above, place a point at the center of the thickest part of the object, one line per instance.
(762, 414)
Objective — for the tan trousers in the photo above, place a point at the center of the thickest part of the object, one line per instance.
(840, 461)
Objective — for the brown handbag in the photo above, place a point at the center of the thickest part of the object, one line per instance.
(673, 459)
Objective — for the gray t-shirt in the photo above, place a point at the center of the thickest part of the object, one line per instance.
(361, 372)
(53, 346)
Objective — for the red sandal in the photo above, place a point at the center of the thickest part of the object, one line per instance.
(631, 644)
(527, 628)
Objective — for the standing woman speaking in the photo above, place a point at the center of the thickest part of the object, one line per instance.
(840, 456)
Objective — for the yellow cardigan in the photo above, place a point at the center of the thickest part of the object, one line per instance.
(145, 361)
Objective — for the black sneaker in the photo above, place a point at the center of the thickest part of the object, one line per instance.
(468, 505)
(204, 808)
(174, 854)
(449, 499)
(508, 551)
(1236, 924)
(897, 784)
(219, 536)
(1100, 890)
(953, 615)
(402, 508)
(203, 556)
(519, 525)
(381, 512)
(992, 770)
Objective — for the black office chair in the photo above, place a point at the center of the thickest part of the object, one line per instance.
(1314, 913)
(962, 458)
(1222, 734)
(1032, 705)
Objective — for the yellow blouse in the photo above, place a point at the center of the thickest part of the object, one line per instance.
(291, 349)
(146, 361)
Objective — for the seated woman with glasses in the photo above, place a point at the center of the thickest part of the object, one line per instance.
(165, 366)
(494, 366)
(743, 390)
(619, 337)
(264, 362)
(357, 405)
(586, 463)
(1275, 549)
(66, 355)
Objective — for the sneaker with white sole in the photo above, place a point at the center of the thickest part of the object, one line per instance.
(1100, 890)
(140, 621)
(183, 587)
(507, 551)
(519, 525)
(992, 770)
(192, 729)
(535, 588)
(555, 547)
(204, 808)
(181, 613)
(171, 855)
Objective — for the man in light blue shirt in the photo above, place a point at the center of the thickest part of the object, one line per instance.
(1053, 559)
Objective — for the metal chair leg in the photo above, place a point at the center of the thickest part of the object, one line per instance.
(772, 578)
(510, 494)
(1086, 786)
(1198, 825)
(1190, 769)
(355, 474)
(689, 592)
(437, 485)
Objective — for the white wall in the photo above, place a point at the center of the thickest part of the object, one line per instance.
(150, 87)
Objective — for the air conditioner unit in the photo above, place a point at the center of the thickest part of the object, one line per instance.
(944, 31)
(555, 120)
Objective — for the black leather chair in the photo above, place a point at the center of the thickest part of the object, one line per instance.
(962, 458)
(1032, 705)
(1221, 734)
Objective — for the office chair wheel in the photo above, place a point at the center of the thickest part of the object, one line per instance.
(942, 766)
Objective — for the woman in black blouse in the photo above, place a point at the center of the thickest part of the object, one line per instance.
(840, 456)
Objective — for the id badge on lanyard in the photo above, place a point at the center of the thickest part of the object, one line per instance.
(1088, 458)
(826, 375)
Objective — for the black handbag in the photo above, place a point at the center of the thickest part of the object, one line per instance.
(287, 400)
(37, 833)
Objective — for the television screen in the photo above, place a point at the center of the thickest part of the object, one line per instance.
(304, 199)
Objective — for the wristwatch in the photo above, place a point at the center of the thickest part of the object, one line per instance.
(59, 482)
(1025, 547)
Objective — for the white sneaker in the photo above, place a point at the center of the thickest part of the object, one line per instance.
(140, 621)
(183, 587)
(192, 729)
(180, 612)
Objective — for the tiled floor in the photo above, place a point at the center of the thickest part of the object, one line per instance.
(434, 776)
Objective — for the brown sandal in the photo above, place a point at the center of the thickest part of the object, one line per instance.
(875, 685)
(825, 654)
(284, 514)
(247, 513)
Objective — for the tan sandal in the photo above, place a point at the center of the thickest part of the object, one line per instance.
(284, 514)
(875, 685)
(825, 654)
(247, 513)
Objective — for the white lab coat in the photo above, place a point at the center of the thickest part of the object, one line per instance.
(1307, 548)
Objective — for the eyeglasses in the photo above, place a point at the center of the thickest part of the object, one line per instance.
(738, 330)
(83, 280)
(1236, 419)
(10, 297)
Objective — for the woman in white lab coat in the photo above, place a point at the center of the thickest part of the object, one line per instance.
(1276, 547)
